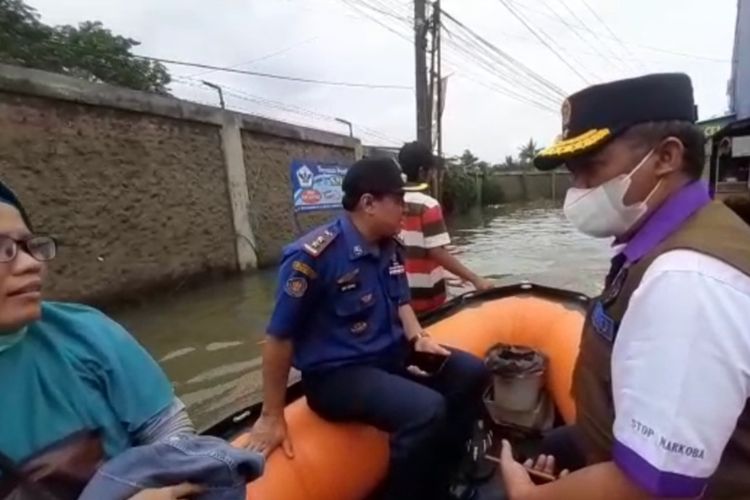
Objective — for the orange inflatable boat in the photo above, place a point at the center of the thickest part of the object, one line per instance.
(347, 461)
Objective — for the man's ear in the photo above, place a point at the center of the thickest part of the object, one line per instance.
(669, 154)
(366, 202)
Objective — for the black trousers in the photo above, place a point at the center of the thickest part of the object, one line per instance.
(564, 444)
(428, 418)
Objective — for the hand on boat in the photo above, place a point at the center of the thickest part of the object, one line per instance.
(268, 433)
(482, 284)
(178, 492)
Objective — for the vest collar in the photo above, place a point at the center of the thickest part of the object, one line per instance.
(667, 219)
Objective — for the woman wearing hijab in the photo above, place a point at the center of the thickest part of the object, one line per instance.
(75, 388)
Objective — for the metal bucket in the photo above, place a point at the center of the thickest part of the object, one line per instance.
(518, 376)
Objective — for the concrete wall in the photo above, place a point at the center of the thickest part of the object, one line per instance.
(144, 190)
(526, 186)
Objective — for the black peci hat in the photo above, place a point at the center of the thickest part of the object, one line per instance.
(377, 176)
(413, 155)
(596, 115)
(8, 197)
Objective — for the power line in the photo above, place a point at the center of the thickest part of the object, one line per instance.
(508, 60)
(274, 76)
(375, 20)
(289, 108)
(606, 26)
(577, 34)
(511, 79)
(258, 59)
(593, 34)
(700, 57)
(484, 54)
(541, 39)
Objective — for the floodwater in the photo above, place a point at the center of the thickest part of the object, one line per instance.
(207, 339)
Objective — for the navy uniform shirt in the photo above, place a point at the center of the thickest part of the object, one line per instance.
(338, 297)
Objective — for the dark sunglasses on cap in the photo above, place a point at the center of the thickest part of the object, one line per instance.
(41, 248)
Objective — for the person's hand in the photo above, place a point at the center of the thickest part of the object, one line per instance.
(426, 344)
(178, 492)
(516, 479)
(545, 464)
(268, 433)
(516, 476)
(482, 284)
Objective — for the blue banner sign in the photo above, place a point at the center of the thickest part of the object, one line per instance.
(316, 186)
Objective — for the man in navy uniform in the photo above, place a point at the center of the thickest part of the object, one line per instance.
(342, 317)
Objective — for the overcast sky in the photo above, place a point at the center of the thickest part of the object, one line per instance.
(329, 39)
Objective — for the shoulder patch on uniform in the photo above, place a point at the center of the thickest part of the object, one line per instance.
(303, 268)
(319, 242)
(296, 287)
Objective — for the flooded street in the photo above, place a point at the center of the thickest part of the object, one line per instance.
(207, 339)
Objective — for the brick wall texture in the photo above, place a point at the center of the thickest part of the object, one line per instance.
(136, 199)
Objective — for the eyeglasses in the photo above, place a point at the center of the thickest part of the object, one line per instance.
(41, 248)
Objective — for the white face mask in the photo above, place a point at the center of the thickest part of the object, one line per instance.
(601, 212)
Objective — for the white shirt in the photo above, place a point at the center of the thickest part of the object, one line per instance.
(681, 372)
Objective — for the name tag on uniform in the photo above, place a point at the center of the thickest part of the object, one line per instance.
(396, 269)
(602, 323)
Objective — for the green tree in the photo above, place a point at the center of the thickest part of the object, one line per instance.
(467, 159)
(527, 152)
(509, 163)
(88, 51)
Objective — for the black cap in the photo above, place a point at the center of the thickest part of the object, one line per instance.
(596, 115)
(377, 176)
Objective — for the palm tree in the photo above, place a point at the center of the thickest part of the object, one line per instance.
(509, 163)
(527, 152)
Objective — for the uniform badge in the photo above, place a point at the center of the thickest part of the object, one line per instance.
(359, 327)
(316, 246)
(296, 287)
(348, 281)
(305, 269)
(602, 323)
(396, 267)
(367, 298)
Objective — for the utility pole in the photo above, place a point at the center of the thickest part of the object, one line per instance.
(424, 124)
(437, 33)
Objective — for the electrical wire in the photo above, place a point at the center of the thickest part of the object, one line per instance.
(543, 41)
(606, 26)
(471, 47)
(507, 60)
(288, 108)
(277, 77)
(259, 59)
(596, 38)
